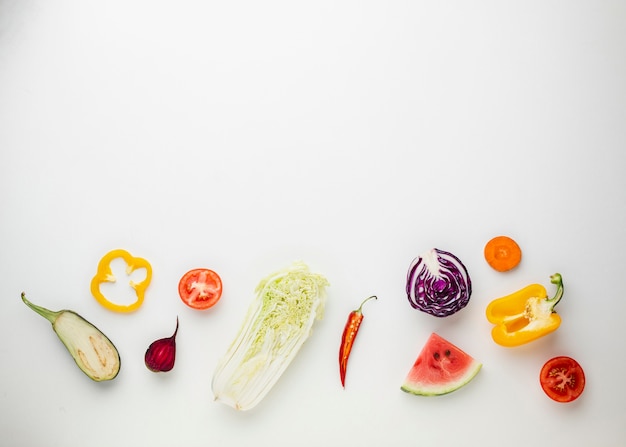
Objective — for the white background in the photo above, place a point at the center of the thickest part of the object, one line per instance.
(353, 135)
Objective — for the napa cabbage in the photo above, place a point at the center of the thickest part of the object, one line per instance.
(278, 322)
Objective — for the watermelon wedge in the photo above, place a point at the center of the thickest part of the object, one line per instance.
(440, 369)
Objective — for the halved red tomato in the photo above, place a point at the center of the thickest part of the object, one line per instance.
(200, 288)
(562, 379)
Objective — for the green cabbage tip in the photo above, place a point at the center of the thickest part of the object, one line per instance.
(278, 322)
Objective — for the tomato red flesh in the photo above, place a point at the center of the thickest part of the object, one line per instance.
(200, 288)
(562, 379)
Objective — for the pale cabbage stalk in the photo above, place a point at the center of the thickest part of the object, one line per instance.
(278, 322)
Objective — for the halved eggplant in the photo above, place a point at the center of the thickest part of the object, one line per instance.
(92, 351)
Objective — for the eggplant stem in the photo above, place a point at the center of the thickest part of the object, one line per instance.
(49, 315)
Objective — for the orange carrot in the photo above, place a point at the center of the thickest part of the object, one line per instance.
(502, 253)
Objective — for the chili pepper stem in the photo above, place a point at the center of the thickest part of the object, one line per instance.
(359, 310)
(557, 280)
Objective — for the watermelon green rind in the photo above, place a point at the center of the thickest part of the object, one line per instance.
(433, 389)
(440, 368)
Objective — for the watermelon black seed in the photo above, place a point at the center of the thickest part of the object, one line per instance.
(436, 355)
(447, 353)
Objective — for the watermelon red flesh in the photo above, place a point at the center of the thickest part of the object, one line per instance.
(440, 368)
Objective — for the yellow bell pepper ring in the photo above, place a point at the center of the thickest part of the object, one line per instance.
(525, 315)
(104, 274)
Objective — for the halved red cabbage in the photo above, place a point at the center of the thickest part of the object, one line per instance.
(438, 283)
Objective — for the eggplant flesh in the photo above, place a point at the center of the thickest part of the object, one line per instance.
(92, 351)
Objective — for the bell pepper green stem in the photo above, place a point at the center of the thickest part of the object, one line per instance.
(557, 280)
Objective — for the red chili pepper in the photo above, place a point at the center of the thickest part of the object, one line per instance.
(347, 339)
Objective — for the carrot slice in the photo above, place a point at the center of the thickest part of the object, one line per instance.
(502, 253)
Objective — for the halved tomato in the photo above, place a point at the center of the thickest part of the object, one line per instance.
(200, 288)
(562, 379)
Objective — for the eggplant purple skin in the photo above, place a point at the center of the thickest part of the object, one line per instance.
(441, 293)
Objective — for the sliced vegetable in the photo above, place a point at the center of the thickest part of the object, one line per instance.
(278, 322)
(440, 368)
(525, 315)
(438, 283)
(104, 274)
(200, 288)
(161, 354)
(347, 339)
(502, 253)
(562, 379)
(92, 351)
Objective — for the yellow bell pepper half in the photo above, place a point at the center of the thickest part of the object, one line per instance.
(104, 274)
(525, 315)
